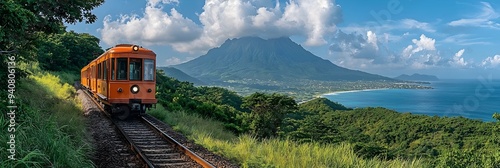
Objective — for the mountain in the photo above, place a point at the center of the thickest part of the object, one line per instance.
(417, 77)
(179, 75)
(278, 59)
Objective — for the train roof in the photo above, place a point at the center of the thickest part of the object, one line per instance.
(121, 48)
(126, 48)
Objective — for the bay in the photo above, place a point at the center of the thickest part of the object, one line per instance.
(474, 98)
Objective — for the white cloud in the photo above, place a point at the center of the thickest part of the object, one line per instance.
(352, 50)
(157, 2)
(414, 24)
(155, 27)
(465, 39)
(424, 43)
(407, 52)
(458, 60)
(372, 39)
(483, 19)
(491, 62)
(222, 20)
(388, 26)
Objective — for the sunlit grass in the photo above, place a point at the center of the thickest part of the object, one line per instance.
(50, 128)
(249, 152)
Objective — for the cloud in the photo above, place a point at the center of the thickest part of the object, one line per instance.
(458, 60)
(483, 19)
(359, 51)
(357, 46)
(491, 62)
(391, 25)
(424, 43)
(465, 39)
(222, 20)
(157, 2)
(155, 27)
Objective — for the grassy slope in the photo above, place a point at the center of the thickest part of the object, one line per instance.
(50, 127)
(249, 152)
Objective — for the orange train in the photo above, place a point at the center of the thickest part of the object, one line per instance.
(123, 79)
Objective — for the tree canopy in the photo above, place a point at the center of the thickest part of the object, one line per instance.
(21, 19)
(267, 112)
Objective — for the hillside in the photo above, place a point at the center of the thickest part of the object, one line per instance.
(278, 59)
(179, 75)
(417, 77)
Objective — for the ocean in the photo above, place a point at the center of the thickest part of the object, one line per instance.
(474, 98)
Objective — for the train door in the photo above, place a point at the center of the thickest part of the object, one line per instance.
(88, 73)
(104, 83)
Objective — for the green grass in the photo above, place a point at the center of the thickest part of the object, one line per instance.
(249, 152)
(50, 128)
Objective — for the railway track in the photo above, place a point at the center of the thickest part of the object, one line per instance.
(153, 146)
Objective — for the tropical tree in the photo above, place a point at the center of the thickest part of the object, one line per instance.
(267, 112)
(22, 20)
(66, 51)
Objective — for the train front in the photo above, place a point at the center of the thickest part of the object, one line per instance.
(132, 87)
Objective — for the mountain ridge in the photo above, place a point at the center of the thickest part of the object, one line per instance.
(417, 77)
(272, 59)
(179, 75)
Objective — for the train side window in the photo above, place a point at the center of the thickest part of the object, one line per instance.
(112, 69)
(105, 70)
(135, 69)
(121, 68)
(149, 67)
(99, 71)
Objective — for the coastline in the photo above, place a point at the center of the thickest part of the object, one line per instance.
(340, 92)
(351, 91)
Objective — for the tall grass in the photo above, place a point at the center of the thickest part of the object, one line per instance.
(249, 152)
(50, 128)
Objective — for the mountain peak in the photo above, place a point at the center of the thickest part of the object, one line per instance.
(267, 59)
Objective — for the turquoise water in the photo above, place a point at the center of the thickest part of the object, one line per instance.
(476, 99)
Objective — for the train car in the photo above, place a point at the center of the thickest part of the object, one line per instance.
(123, 79)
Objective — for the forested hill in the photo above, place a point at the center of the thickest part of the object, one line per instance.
(374, 132)
(273, 59)
(179, 75)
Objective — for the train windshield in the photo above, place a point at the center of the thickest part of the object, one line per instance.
(135, 69)
(149, 69)
(121, 64)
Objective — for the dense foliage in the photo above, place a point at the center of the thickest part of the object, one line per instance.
(67, 51)
(25, 24)
(379, 132)
(374, 132)
(220, 104)
(267, 113)
(22, 19)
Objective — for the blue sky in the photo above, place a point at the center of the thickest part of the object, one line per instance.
(450, 39)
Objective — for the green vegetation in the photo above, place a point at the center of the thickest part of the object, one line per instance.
(371, 133)
(379, 132)
(251, 152)
(50, 128)
(267, 113)
(68, 51)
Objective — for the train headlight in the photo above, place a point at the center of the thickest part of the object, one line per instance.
(149, 90)
(135, 48)
(134, 89)
(120, 90)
